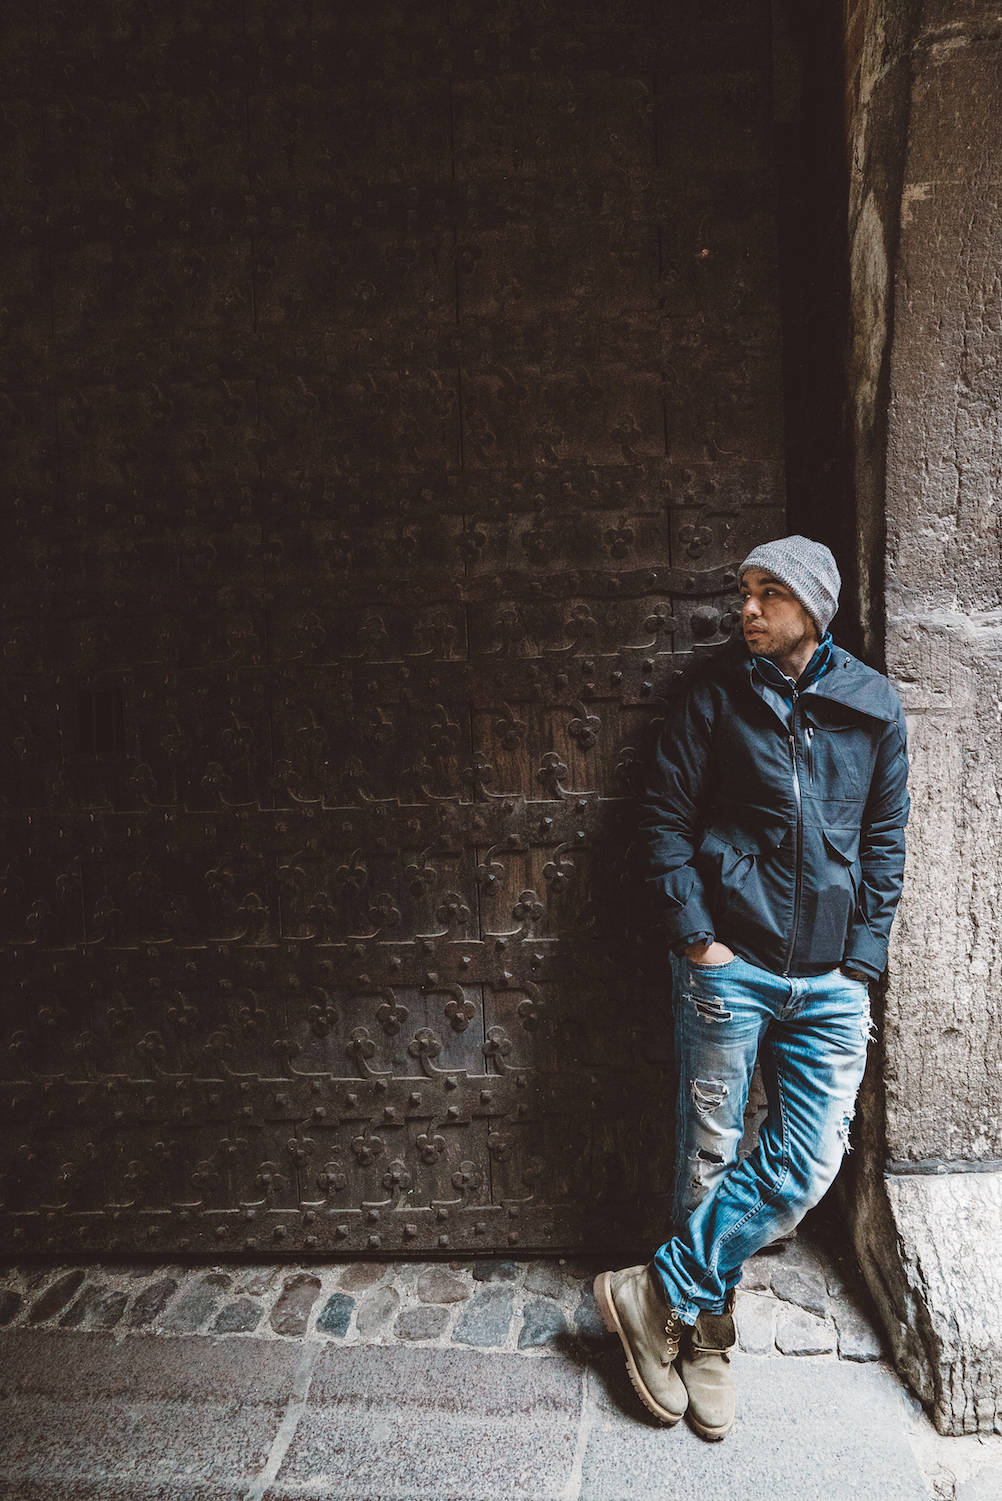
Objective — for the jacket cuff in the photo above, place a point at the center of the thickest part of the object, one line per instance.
(680, 947)
(865, 953)
(692, 918)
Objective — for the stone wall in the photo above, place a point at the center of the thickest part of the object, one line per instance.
(926, 386)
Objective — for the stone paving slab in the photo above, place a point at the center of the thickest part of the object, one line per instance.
(188, 1418)
(812, 1429)
(434, 1425)
(175, 1420)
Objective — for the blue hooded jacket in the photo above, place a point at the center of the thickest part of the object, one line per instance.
(774, 819)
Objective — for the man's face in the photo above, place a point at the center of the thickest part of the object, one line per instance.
(774, 622)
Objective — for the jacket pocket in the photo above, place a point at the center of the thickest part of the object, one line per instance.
(843, 844)
(728, 853)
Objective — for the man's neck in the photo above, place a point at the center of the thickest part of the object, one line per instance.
(793, 665)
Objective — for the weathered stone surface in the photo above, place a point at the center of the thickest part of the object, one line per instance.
(437, 1286)
(756, 1273)
(93, 1418)
(486, 1319)
(813, 1431)
(256, 1281)
(56, 1297)
(944, 1232)
(362, 1274)
(986, 1485)
(800, 1333)
(928, 1244)
(81, 1307)
(543, 1323)
(587, 1319)
(434, 1423)
(195, 1304)
(489, 1270)
(291, 1313)
(376, 1311)
(803, 1285)
(857, 1338)
(545, 1278)
(238, 1317)
(151, 1302)
(755, 1320)
(424, 1322)
(11, 1303)
(335, 1316)
(107, 1311)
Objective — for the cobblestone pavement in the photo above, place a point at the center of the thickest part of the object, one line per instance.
(794, 1300)
(464, 1380)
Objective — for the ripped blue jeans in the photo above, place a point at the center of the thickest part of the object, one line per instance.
(810, 1037)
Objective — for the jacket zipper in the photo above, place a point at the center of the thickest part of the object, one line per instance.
(799, 871)
(809, 738)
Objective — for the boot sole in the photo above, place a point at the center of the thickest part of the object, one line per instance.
(712, 1434)
(610, 1318)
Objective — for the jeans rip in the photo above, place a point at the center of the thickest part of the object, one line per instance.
(710, 1007)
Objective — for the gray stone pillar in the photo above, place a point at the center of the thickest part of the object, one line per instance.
(928, 1214)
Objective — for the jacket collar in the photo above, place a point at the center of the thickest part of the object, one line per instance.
(848, 681)
(816, 667)
(859, 687)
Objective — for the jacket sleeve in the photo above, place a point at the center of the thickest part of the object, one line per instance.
(670, 813)
(882, 853)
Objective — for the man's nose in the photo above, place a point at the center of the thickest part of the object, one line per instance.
(750, 606)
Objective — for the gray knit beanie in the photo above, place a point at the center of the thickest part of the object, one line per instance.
(808, 570)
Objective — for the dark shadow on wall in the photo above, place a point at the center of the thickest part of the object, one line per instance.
(812, 229)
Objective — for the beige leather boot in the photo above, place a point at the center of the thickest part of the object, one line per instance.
(632, 1305)
(705, 1367)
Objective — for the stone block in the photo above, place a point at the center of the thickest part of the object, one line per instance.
(423, 1322)
(802, 1333)
(196, 1304)
(11, 1303)
(755, 1320)
(108, 1310)
(76, 1313)
(57, 1296)
(335, 1316)
(587, 1319)
(756, 1274)
(376, 1311)
(434, 1423)
(857, 1337)
(239, 1317)
(489, 1270)
(291, 1313)
(151, 1302)
(803, 1285)
(186, 1420)
(817, 1431)
(546, 1278)
(486, 1319)
(544, 1322)
(934, 1246)
(256, 1281)
(362, 1274)
(435, 1285)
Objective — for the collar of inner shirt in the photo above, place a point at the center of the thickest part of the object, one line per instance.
(778, 685)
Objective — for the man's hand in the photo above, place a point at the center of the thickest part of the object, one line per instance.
(709, 953)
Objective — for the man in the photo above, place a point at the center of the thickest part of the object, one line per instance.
(774, 829)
